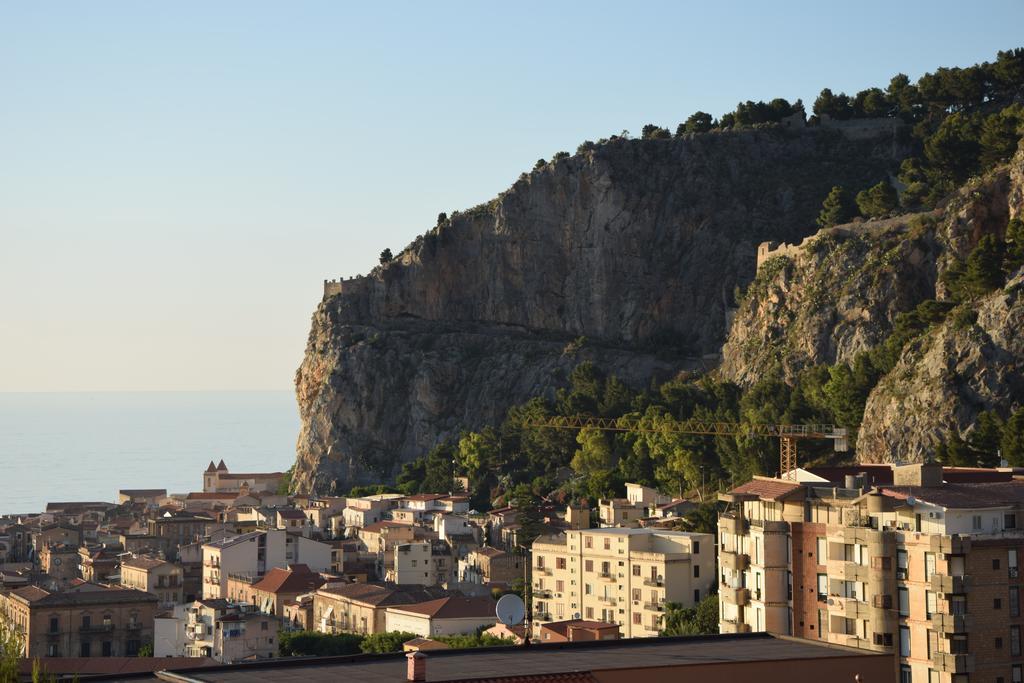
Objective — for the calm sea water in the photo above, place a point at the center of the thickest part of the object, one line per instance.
(86, 446)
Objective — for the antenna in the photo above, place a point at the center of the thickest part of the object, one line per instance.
(510, 610)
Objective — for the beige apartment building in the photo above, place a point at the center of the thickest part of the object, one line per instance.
(361, 607)
(916, 560)
(85, 621)
(163, 579)
(620, 576)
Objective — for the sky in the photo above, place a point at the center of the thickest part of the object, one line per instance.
(178, 179)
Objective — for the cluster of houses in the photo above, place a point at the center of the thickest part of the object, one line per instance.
(220, 573)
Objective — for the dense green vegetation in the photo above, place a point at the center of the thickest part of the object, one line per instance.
(691, 621)
(314, 643)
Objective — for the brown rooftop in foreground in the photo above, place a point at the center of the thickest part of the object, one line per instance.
(735, 658)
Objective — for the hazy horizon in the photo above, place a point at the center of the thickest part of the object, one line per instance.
(178, 180)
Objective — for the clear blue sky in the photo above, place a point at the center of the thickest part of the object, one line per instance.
(177, 178)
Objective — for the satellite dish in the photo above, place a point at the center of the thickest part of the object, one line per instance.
(911, 501)
(576, 615)
(510, 610)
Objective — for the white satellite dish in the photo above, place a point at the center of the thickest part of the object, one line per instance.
(510, 610)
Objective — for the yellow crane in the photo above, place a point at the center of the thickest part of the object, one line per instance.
(787, 435)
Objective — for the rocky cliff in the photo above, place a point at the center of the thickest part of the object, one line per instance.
(839, 295)
(636, 245)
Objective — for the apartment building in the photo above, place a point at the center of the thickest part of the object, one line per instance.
(87, 620)
(423, 563)
(360, 607)
(270, 592)
(621, 576)
(224, 631)
(255, 553)
(163, 579)
(453, 615)
(489, 565)
(916, 560)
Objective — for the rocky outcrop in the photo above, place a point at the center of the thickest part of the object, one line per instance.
(944, 380)
(840, 293)
(837, 296)
(635, 245)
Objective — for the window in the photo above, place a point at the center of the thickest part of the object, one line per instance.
(84, 649)
(929, 566)
(1018, 675)
(999, 643)
(588, 589)
(54, 624)
(107, 648)
(1014, 601)
(997, 603)
(696, 571)
(559, 563)
(51, 650)
(905, 674)
(904, 641)
(637, 595)
(929, 604)
(264, 626)
(901, 564)
(822, 587)
(696, 547)
(903, 598)
(132, 648)
(696, 595)
(590, 613)
(637, 618)
(588, 565)
(607, 543)
(588, 541)
(958, 644)
(976, 522)
(822, 548)
(1015, 641)
(1010, 521)
(1011, 563)
(995, 564)
(86, 623)
(560, 586)
(636, 570)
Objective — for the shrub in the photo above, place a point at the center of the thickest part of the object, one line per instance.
(878, 200)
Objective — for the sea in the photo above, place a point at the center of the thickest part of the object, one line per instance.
(87, 446)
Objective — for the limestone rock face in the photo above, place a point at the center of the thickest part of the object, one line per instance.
(945, 379)
(840, 293)
(635, 245)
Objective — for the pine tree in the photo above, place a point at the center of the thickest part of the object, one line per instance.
(1014, 258)
(1011, 444)
(878, 200)
(984, 270)
(837, 208)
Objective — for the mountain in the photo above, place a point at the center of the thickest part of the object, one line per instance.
(627, 254)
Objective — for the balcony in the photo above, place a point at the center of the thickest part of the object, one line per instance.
(542, 593)
(732, 524)
(733, 560)
(608, 600)
(881, 601)
(654, 606)
(855, 572)
(770, 527)
(941, 583)
(543, 571)
(954, 664)
(607, 576)
(855, 609)
(653, 582)
(133, 626)
(735, 596)
(950, 545)
(733, 626)
(542, 616)
(96, 628)
(950, 623)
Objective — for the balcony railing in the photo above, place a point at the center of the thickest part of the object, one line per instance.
(606, 576)
(732, 524)
(733, 626)
(733, 560)
(544, 571)
(653, 582)
(654, 606)
(96, 628)
(735, 596)
(954, 664)
(608, 600)
(950, 623)
(943, 583)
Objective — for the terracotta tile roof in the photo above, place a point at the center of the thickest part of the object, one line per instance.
(768, 489)
(212, 495)
(378, 595)
(296, 579)
(454, 607)
(972, 495)
(290, 513)
(488, 551)
(102, 596)
(568, 677)
(426, 497)
(562, 627)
